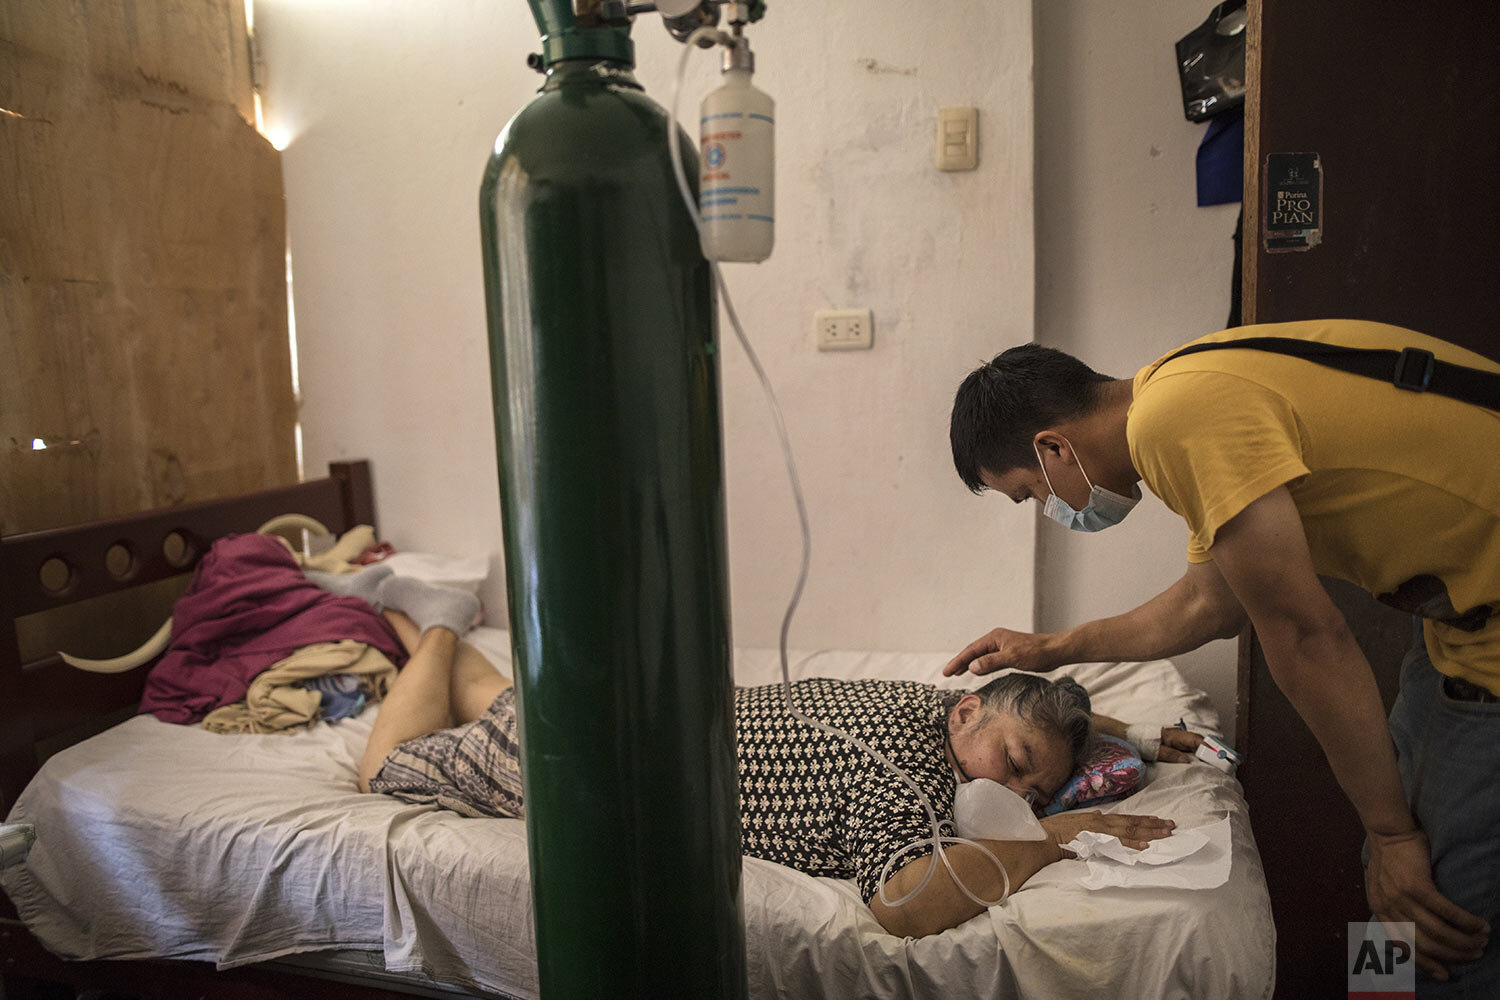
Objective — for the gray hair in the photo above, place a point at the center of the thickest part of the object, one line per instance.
(1058, 707)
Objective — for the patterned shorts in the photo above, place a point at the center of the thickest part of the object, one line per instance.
(473, 769)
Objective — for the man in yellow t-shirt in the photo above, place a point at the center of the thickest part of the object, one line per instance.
(1283, 469)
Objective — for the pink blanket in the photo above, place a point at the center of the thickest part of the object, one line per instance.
(247, 607)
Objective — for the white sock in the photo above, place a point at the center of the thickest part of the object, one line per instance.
(429, 605)
(365, 584)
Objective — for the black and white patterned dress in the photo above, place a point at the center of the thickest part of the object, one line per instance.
(808, 800)
(815, 802)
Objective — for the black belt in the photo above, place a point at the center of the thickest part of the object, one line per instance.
(1461, 690)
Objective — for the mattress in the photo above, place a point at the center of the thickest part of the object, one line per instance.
(164, 841)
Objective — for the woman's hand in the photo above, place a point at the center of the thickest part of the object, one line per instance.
(1134, 831)
(1178, 745)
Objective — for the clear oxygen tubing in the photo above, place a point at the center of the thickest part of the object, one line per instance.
(938, 838)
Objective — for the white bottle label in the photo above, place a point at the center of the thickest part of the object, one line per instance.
(736, 184)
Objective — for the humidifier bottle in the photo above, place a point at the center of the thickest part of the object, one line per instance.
(737, 132)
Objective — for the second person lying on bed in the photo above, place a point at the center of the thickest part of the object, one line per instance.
(447, 735)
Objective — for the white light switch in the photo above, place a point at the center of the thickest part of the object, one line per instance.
(958, 138)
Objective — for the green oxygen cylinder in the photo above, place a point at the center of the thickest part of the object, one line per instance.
(606, 392)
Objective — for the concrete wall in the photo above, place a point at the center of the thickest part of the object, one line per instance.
(391, 108)
(1127, 268)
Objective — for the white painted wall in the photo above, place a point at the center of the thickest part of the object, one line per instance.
(1128, 267)
(393, 106)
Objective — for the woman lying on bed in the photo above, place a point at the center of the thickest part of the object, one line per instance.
(447, 735)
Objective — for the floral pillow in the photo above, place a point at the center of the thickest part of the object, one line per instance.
(1111, 770)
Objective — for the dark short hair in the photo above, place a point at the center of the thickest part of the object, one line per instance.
(1003, 403)
(1058, 707)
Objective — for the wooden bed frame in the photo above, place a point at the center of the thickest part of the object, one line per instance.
(46, 705)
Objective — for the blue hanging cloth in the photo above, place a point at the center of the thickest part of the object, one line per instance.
(1221, 159)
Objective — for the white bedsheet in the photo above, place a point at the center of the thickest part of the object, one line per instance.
(156, 840)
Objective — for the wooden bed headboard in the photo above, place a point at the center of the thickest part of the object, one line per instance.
(45, 700)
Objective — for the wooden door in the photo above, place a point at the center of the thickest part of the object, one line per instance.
(1397, 100)
(144, 359)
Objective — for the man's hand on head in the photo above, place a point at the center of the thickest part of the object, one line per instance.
(1000, 648)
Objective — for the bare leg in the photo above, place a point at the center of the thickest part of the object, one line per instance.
(406, 629)
(475, 681)
(417, 703)
(475, 684)
(472, 683)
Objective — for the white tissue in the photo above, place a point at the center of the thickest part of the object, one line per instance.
(1089, 844)
(987, 810)
(1189, 859)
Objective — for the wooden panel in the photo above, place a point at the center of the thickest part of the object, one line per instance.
(185, 47)
(1250, 252)
(142, 269)
(1398, 106)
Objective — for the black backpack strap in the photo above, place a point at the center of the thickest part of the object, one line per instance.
(1410, 368)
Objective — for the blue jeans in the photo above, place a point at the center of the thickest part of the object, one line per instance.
(1449, 755)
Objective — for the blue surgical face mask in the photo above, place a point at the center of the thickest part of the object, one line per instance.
(1104, 510)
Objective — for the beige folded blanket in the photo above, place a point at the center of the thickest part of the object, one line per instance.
(340, 558)
(276, 704)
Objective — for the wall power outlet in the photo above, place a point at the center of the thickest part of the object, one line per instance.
(843, 329)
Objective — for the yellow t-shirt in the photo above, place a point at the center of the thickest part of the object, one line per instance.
(1391, 484)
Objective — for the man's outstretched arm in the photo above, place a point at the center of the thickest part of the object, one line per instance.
(1197, 608)
(1314, 659)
